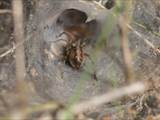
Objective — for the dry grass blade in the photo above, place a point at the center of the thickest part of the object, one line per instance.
(151, 45)
(11, 50)
(127, 57)
(19, 52)
(126, 51)
(7, 52)
(98, 101)
(4, 11)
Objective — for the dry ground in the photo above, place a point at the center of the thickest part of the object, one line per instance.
(50, 79)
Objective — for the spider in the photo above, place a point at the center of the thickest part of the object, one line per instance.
(78, 32)
(73, 51)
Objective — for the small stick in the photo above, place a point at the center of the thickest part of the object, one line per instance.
(5, 11)
(19, 53)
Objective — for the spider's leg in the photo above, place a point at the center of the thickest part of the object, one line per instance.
(60, 34)
(58, 40)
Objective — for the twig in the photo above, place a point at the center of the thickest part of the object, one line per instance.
(11, 50)
(4, 11)
(97, 4)
(20, 56)
(7, 52)
(19, 36)
(144, 39)
(94, 102)
(97, 101)
(127, 57)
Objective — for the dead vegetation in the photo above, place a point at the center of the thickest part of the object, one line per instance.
(119, 80)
